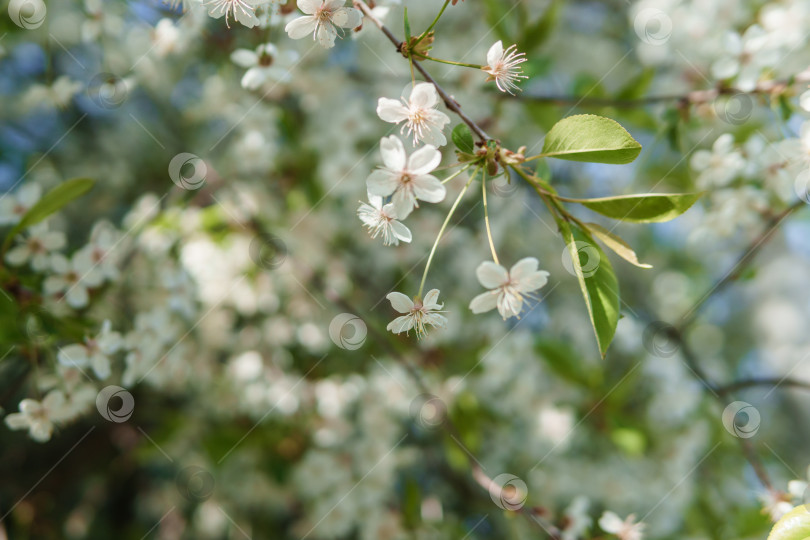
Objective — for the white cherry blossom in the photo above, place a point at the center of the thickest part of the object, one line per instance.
(507, 288)
(94, 352)
(417, 313)
(36, 247)
(419, 113)
(381, 219)
(626, 529)
(504, 67)
(39, 417)
(14, 206)
(72, 278)
(242, 11)
(263, 64)
(322, 16)
(406, 178)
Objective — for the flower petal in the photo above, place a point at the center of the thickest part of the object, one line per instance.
(428, 188)
(424, 160)
(391, 110)
(404, 203)
(431, 301)
(495, 54)
(400, 324)
(301, 27)
(400, 302)
(491, 275)
(393, 153)
(327, 35)
(401, 231)
(484, 302)
(382, 182)
(424, 95)
(309, 6)
(244, 58)
(347, 17)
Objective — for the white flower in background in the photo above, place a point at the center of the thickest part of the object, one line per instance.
(504, 67)
(100, 251)
(804, 100)
(14, 206)
(59, 94)
(264, 64)
(382, 220)
(776, 504)
(37, 247)
(95, 352)
(167, 38)
(39, 417)
(72, 278)
(406, 178)
(507, 289)
(321, 19)
(720, 165)
(419, 113)
(577, 521)
(242, 11)
(746, 56)
(417, 313)
(624, 530)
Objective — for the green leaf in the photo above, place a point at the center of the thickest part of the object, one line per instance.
(50, 203)
(564, 362)
(648, 208)
(463, 139)
(587, 137)
(596, 280)
(407, 26)
(615, 242)
(637, 86)
(795, 525)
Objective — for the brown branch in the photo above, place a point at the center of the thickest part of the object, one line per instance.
(764, 381)
(449, 102)
(696, 97)
(742, 263)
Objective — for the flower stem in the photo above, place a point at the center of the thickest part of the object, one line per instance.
(486, 221)
(449, 62)
(441, 231)
(429, 28)
(456, 174)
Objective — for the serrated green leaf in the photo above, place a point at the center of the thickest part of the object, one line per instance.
(597, 281)
(463, 139)
(795, 525)
(616, 243)
(50, 203)
(587, 137)
(648, 208)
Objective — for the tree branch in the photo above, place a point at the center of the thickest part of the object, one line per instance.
(696, 97)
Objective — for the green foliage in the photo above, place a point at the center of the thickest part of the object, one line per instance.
(587, 137)
(647, 208)
(463, 139)
(50, 203)
(795, 525)
(598, 282)
(617, 244)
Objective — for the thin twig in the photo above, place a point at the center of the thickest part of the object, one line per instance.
(742, 263)
(695, 97)
(449, 102)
